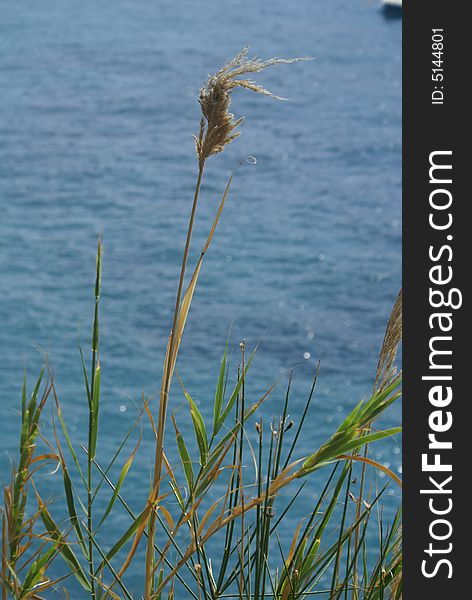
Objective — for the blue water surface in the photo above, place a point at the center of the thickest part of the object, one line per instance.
(98, 108)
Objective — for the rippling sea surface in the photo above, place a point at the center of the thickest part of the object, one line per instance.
(97, 114)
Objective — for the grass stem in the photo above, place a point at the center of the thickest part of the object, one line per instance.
(164, 396)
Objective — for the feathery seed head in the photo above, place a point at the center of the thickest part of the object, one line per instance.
(386, 370)
(218, 125)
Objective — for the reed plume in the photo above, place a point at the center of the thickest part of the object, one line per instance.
(386, 370)
(218, 125)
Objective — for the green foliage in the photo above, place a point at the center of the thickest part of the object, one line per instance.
(247, 521)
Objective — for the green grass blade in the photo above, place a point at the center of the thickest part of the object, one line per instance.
(34, 396)
(219, 394)
(127, 535)
(116, 491)
(64, 549)
(184, 456)
(236, 391)
(67, 437)
(72, 511)
(36, 570)
(198, 426)
(112, 571)
(339, 445)
(86, 381)
(95, 412)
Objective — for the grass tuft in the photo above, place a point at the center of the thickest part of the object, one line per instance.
(223, 519)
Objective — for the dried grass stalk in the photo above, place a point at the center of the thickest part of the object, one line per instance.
(217, 129)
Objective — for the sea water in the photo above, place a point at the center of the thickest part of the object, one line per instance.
(98, 109)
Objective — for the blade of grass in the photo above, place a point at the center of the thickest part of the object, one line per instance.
(64, 549)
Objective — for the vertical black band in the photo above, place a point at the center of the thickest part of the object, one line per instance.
(437, 354)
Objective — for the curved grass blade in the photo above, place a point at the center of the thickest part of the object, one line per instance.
(135, 526)
(72, 511)
(36, 571)
(66, 434)
(184, 456)
(334, 448)
(95, 412)
(236, 391)
(64, 549)
(198, 426)
(219, 394)
(121, 479)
